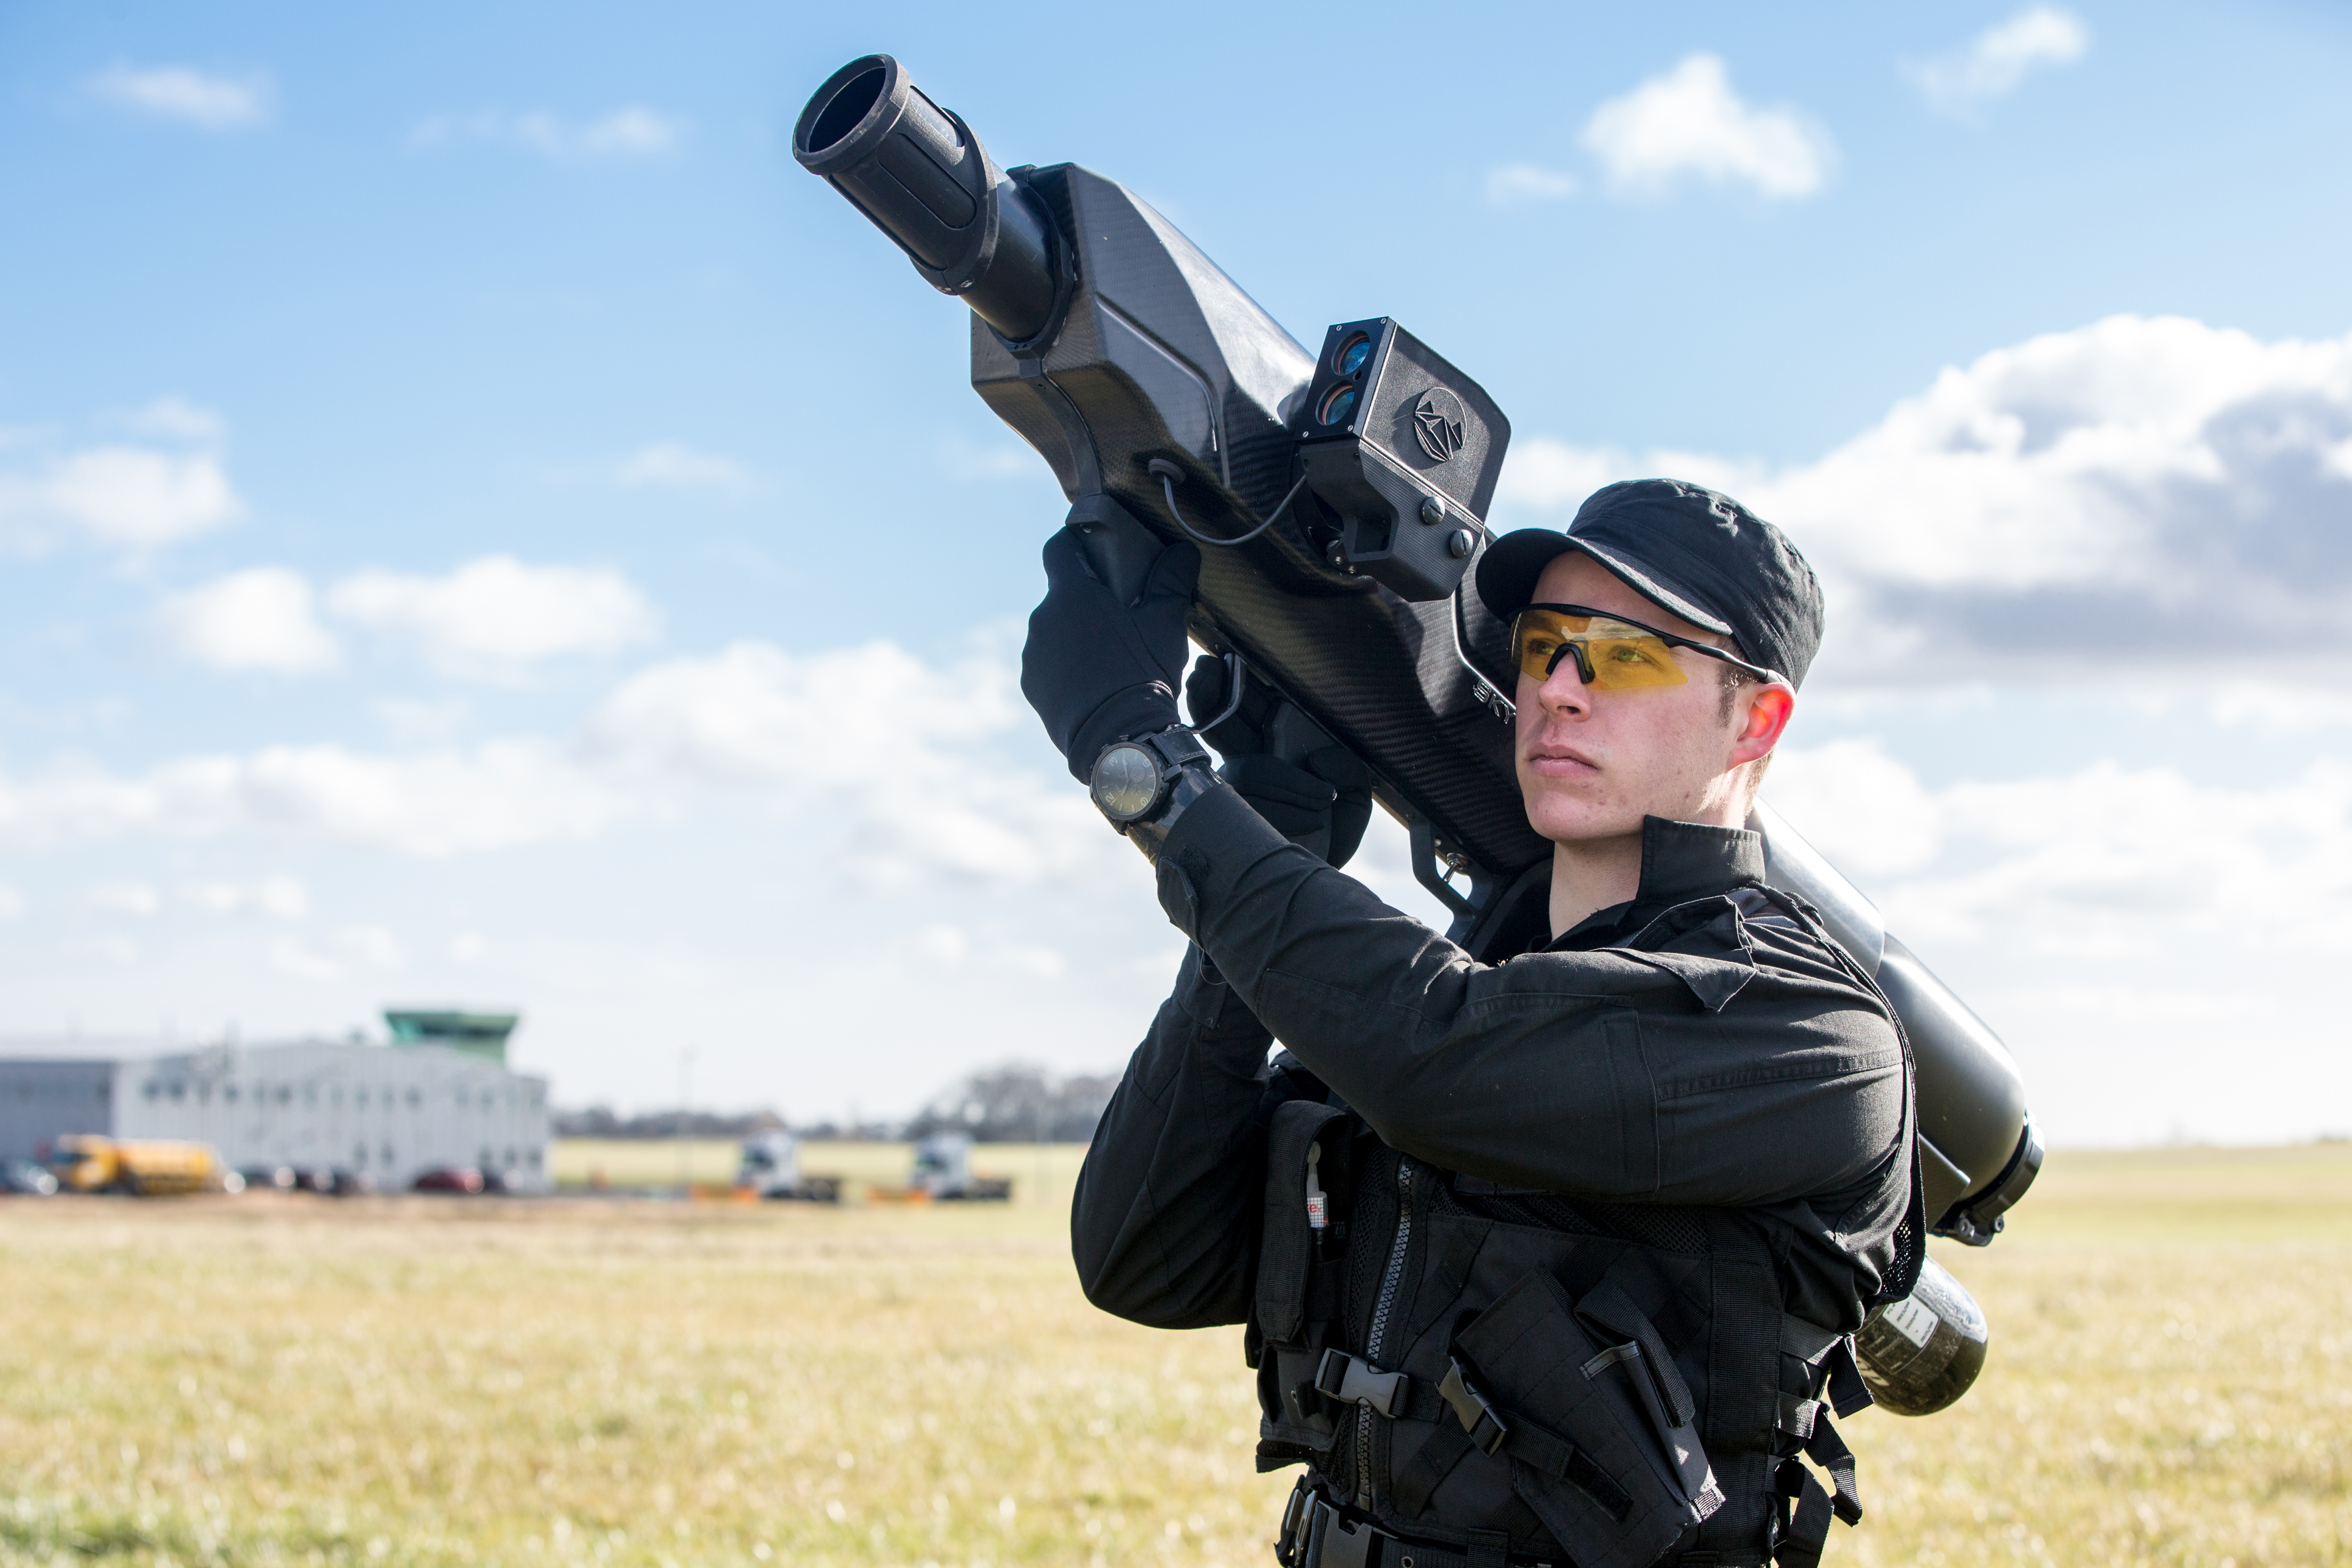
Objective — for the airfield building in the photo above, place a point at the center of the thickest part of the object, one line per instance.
(439, 1097)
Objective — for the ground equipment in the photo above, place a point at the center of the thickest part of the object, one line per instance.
(87, 1162)
(943, 1171)
(771, 1169)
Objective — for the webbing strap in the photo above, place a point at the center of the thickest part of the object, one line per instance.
(1847, 1391)
(1418, 1479)
(1804, 1534)
(1489, 1549)
(1524, 1442)
(1807, 1342)
(1477, 1423)
(1828, 1450)
(1321, 1536)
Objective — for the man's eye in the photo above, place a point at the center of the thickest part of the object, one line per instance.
(1540, 648)
(1626, 653)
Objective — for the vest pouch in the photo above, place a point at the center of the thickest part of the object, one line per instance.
(1294, 1422)
(1308, 1148)
(1599, 1429)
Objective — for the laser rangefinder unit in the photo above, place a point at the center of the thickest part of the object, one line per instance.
(1340, 499)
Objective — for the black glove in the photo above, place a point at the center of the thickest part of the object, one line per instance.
(1323, 807)
(1097, 670)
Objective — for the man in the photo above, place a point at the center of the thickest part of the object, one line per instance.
(1552, 1260)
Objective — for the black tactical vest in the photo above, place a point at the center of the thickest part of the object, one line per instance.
(1476, 1375)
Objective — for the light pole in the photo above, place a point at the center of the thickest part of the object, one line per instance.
(685, 1099)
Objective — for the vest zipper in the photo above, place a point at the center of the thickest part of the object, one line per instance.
(1390, 1279)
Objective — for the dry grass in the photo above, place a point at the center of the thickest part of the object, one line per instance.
(572, 1381)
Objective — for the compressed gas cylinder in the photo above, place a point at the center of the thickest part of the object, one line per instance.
(1921, 1354)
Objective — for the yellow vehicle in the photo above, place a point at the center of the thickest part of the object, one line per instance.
(87, 1162)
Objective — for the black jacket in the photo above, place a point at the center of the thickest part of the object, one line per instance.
(1699, 1046)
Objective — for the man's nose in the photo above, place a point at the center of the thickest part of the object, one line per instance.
(1564, 690)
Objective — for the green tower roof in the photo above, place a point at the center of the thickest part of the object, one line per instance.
(484, 1033)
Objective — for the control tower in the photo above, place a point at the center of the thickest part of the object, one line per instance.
(482, 1034)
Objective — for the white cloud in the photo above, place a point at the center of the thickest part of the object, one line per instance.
(260, 618)
(493, 616)
(900, 753)
(2085, 502)
(353, 948)
(628, 133)
(1526, 184)
(1860, 806)
(676, 466)
(886, 736)
(191, 97)
(2002, 56)
(135, 899)
(414, 723)
(2107, 862)
(1688, 123)
(127, 496)
(941, 946)
(281, 897)
(493, 796)
(177, 418)
(754, 714)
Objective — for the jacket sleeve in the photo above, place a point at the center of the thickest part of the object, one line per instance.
(1699, 1076)
(1162, 1226)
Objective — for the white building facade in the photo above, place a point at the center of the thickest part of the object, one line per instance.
(384, 1114)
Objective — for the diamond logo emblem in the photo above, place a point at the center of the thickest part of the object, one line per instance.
(1437, 421)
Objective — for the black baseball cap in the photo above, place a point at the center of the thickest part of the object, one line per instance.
(1692, 552)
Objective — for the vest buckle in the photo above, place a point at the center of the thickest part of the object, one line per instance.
(1484, 1423)
(1343, 1377)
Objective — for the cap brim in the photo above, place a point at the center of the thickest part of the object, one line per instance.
(1513, 564)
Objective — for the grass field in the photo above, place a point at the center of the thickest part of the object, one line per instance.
(272, 1379)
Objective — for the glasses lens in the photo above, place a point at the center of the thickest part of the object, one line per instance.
(1615, 657)
(1352, 354)
(1537, 638)
(1338, 403)
(1624, 658)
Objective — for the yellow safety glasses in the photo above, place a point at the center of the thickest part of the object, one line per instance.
(1612, 654)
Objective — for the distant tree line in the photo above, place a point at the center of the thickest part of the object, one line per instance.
(1014, 1103)
(1019, 1103)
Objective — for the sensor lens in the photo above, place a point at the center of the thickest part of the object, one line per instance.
(1352, 354)
(1338, 403)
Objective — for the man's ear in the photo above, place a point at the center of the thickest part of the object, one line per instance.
(1769, 707)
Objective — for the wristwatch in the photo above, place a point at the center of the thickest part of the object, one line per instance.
(1143, 784)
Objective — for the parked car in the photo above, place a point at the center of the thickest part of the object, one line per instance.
(25, 1177)
(450, 1179)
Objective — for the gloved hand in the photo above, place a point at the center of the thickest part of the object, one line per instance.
(1098, 671)
(1322, 808)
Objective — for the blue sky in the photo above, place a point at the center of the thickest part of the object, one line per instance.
(477, 522)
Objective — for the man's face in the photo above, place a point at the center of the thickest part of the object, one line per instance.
(1593, 764)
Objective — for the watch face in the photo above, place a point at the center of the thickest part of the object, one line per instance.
(1125, 782)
